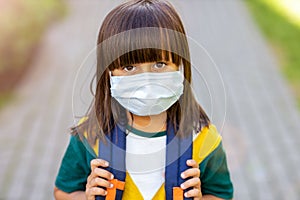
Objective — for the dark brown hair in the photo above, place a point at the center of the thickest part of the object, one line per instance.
(139, 31)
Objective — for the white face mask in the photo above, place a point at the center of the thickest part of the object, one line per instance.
(147, 93)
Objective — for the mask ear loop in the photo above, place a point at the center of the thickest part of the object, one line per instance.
(181, 69)
(110, 76)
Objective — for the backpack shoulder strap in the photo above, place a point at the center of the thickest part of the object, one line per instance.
(114, 144)
(178, 151)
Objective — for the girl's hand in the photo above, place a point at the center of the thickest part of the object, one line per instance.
(194, 182)
(98, 177)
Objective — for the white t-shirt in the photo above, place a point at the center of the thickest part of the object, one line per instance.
(145, 160)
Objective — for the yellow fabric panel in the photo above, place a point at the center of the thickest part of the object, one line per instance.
(96, 146)
(131, 191)
(82, 120)
(205, 143)
(160, 194)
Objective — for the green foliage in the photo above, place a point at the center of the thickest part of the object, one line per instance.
(4, 98)
(284, 37)
(22, 24)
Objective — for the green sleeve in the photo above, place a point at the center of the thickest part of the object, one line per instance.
(74, 168)
(215, 177)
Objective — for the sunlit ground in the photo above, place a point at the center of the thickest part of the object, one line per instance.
(288, 8)
(279, 20)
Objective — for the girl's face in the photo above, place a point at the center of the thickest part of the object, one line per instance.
(159, 67)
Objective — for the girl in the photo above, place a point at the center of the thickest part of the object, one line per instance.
(144, 135)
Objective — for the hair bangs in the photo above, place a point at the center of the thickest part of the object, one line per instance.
(140, 45)
(144, 56)
(141, 31)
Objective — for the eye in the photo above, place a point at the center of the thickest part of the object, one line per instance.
(159, 65)
(129, 68)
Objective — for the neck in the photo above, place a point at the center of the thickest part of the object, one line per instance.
(151, 123)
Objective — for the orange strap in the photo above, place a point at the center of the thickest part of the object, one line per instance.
(177, 193)
(111, 192)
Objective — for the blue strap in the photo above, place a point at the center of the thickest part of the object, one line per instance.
(118, 168)
(115, 145)
(178, 151)
(171, 170)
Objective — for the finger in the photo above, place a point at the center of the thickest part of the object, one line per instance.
(95, 191)
(100, 182)
(193, 193)
(192, 163)
(99, 172)
(98, 163)
(192, 172)
(193, 182)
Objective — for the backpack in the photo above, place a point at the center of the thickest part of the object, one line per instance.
(178, 151)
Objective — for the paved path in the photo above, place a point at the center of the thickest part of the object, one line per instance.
(261, 127)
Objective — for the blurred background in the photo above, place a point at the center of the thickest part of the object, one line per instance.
(254, 45)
